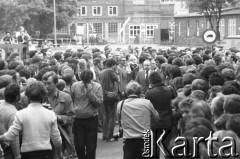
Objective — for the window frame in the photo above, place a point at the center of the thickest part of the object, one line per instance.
(96, 7)
(232, 27)
(222, 27)
(112, 10)
(133, 30)
(111, 26)
(150, 25)
(96, 30)
(80, 8)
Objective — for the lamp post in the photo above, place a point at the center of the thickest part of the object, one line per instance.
(55, 23)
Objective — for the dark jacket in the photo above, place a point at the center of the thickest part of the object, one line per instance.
(23, 39)
(109, 80)
(160, 96)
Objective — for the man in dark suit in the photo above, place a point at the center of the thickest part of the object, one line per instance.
(142, 76)
(123, 75)
(22, 38)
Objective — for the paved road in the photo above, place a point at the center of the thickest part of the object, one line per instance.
(109, 150)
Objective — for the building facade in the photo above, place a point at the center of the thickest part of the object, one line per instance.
(126, 21)
(100, 18)
(189, 28)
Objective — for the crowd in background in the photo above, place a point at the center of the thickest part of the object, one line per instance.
(189, 92)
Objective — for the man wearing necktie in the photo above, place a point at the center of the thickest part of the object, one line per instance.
(142, 76)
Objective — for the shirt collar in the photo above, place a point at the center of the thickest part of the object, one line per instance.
(133, 96)
(35, 105)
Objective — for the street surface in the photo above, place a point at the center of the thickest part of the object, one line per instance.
(109, 150)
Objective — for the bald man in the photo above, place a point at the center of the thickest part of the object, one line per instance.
(142, 76)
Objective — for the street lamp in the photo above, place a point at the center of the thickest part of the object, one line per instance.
(55, 23)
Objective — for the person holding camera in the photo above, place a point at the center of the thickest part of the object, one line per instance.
(135, 114)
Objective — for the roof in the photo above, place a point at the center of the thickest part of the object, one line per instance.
(226, 11)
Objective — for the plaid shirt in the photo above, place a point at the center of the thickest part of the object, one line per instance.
(7, 114)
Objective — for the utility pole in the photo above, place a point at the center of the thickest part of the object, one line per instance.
(55, 23)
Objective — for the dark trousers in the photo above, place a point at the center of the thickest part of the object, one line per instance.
(85, 137)
(100, 118)
(133, 148)
(44, 154)
(109, 118)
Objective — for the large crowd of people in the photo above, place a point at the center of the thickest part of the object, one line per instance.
(54, 105)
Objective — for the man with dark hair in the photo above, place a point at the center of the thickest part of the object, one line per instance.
(159, 61)
(7, 113)
(8, 38)
(109, 79)
(62, 105)
(87, 98)
(216, 79)
(25, 73)
(160, 96)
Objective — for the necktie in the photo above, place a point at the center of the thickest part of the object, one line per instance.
(147, 81)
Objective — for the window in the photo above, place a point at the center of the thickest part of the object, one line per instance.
(82, 11)
(112, 10)
(64, 30)
(96, 10)
(138, 1)
(232, 27)
(188, 30)
(134, 30)
(98, 27)
(112, 28)
(179, 28)
(150, 31)
(198, 28)
(222, 27)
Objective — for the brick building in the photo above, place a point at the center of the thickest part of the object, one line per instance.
(102, 18)
(147, 18)
(189, 28)
(121, 21)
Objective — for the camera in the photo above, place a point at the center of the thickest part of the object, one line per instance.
(119, 134)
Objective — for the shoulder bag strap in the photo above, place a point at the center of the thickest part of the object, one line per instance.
(120, 115)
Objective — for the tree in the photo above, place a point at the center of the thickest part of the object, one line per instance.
(212, 10)
(36, 15)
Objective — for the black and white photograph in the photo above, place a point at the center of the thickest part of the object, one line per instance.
(119, 79)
